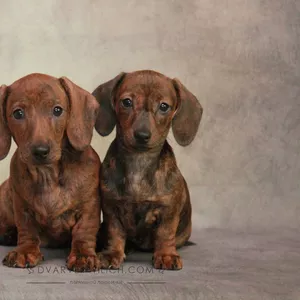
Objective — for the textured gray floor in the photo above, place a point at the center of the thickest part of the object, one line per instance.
(223, 265)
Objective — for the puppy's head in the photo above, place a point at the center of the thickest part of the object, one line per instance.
(40, 113)
(144, 105)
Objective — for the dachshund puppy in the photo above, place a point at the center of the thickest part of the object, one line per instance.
(52, 195)
(145, 198)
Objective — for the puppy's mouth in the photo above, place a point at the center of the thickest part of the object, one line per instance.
(43, 162)
(133, 144)
(35, 162)
(142, 146)
(136, 147)
(46, 161)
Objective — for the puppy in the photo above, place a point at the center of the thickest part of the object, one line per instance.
(145, 198)
(52, 195)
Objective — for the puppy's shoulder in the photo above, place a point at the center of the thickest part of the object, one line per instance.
(167, 157)
(90, 157)
(16, 166)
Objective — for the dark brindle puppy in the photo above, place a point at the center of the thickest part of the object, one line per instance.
(145, 198)
(52, 195)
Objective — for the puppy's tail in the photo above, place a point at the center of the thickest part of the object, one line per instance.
(189, 243)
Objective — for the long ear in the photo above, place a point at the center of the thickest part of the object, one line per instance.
(5, 136)
(104, 94)
(187, 118)
(83, 113)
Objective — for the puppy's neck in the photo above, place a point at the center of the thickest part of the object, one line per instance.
(141, 161)
(44, 176)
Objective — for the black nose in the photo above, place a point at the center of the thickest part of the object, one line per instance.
(40, 152)
(142, 136)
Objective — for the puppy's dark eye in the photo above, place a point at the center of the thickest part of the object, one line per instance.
(19, 114)
(57, 111)
(127, 102)
(164, 107)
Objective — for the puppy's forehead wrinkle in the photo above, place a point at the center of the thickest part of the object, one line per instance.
(41, 89)
(36, 92)
(148, 84)
(153, 90)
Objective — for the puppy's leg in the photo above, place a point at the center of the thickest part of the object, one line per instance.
(165, 254)
(8, 230)
(114, 255)
(27, 253)
(83, 256)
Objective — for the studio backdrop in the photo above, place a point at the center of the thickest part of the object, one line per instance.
(240, 58)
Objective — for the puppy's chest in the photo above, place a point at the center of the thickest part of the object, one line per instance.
(133, 199)
(139, 186)
(54, 209)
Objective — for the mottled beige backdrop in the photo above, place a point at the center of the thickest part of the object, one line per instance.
(241, 59)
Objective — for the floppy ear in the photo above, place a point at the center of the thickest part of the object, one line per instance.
(104, 94)
(187, 118)
(83, 113)
(5, 136)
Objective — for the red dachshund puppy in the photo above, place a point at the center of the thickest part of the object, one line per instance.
(52, 195)
(145, 198)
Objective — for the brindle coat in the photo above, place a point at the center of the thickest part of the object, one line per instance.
(52, 195)
(145, 199)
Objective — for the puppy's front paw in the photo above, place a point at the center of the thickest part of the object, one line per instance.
(111, 259)
(83, 263)
(22, 259)
(166, 261)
